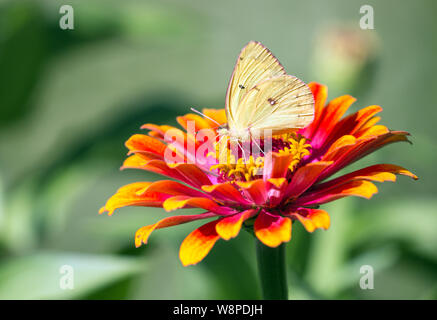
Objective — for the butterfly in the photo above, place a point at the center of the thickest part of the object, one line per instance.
(262, 99)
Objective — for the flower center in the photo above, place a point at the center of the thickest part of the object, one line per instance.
(246, 161)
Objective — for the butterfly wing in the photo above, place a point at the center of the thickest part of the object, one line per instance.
(254, 64)
(279, 104)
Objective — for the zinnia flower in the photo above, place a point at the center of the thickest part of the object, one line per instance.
(266, 192)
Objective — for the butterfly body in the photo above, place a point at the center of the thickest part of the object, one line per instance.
(235, 135)
(262, 100)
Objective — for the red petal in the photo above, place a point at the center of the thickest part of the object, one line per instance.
(155, 166)
(192, 173)
(256, 190)
(272, 230)
(198, 243)
(276, 190)
(142, 234)
(305, 177)
(173, 188)
(229, 227)
(188, 173)
(320, 93)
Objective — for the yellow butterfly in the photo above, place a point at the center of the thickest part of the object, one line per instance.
(261, 98)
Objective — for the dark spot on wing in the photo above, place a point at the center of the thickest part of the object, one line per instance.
(271, 101)
(241, 86)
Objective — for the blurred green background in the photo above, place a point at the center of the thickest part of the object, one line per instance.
(70, 98)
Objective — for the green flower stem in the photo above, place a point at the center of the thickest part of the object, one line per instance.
(272, 272)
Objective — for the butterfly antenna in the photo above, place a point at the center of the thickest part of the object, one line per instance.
(256, 143)
(204, 115)
(242, 150)
(210, 172)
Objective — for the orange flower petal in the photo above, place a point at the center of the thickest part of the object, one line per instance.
(378, 173)
(338, 147)
(312, 219)
(198, 121)
(330, 117)
(179, 142)
(219, 115)
(359, 188)
(277, 165)
(278, 182)
(378, 130)
(230, 226)
(179, 202)
(272, 230)
(198, 244)
(363, 147)
(225, 190)
(133, 195)
(141, 142)
(159, 130)
(355, 122)
(142, 234)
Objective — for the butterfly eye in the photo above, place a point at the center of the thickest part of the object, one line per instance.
(241, 86)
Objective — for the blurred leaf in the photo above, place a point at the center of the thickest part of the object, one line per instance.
(38, 276)
(236, 275)
(23, 53)
(411, 221)
(329, 248)
(349, 274)
(17, 228)
(166, 278)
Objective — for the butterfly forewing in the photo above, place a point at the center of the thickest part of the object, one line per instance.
(278, 104)
(254, 65)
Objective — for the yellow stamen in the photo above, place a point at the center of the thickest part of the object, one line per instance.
(241, 170)
(246, 170)
(298, 148)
